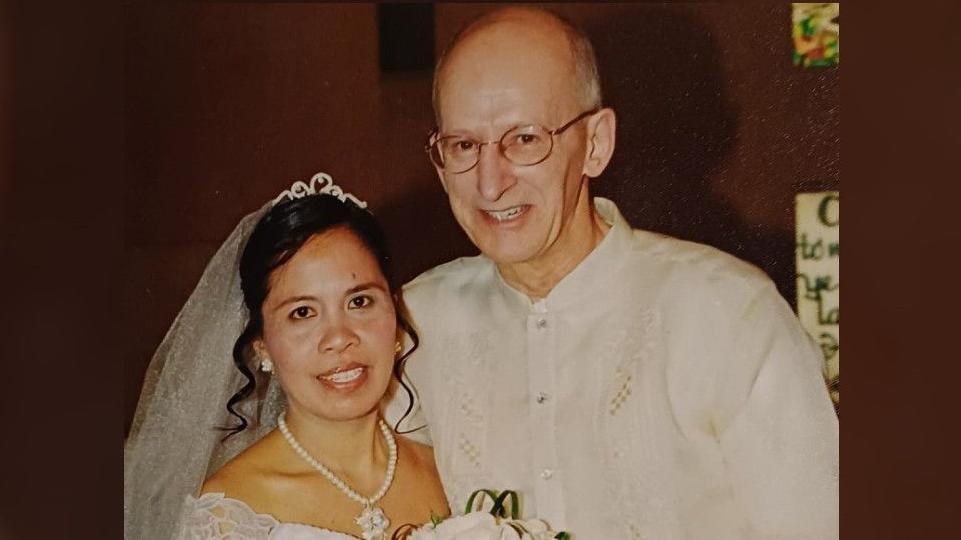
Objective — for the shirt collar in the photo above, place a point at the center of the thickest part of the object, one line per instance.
(591, 273)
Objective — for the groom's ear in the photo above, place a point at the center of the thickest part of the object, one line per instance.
(601, 131)
(440, 172)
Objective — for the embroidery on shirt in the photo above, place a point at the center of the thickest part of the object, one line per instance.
(632, 463)
(469, 407)
(623, 392)
(461, 452)
(471, 451)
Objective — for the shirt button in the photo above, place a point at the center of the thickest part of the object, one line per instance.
(546, 474)
(542, 397)
(542, 323)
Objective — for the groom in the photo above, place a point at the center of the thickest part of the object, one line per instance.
(627, 384)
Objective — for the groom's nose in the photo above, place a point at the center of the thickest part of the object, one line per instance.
(495, 174)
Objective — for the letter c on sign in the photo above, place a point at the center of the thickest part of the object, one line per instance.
(828, 213)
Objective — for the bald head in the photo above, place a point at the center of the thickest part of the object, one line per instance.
(543, 35)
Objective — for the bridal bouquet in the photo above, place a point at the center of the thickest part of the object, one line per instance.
(496, 524)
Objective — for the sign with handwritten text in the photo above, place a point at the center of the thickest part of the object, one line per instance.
(818, 279)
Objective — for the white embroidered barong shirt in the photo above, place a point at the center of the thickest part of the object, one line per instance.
(662, 390)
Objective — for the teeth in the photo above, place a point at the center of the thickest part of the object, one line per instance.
(344, 376)
(505, 214)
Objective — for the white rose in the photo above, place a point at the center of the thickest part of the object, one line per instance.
(472, 526)
(539, 530)
(536, 530)
(508, 533)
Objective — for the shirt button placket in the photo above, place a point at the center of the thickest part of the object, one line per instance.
(541, 349)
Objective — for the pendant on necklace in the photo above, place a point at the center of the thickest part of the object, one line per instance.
(372, 522)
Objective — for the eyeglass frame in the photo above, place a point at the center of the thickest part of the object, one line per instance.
(500, 147)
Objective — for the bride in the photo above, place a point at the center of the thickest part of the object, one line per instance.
(319, 342)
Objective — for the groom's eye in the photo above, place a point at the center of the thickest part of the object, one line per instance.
(460, 146)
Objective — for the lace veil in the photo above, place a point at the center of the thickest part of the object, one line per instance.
(175, 440)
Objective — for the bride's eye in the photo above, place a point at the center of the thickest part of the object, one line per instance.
(361, 301)
(301, 312)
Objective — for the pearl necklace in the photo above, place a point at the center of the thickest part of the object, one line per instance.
(371, 520)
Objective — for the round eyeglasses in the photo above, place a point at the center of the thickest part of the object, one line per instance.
(521, 145)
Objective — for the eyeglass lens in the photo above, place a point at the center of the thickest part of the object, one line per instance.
(521, 145)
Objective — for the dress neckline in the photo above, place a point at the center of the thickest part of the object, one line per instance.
(214, 497)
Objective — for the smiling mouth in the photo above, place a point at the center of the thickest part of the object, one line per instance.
(507, 214)
(343, 377)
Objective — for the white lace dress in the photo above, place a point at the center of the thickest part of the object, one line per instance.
(215, 516)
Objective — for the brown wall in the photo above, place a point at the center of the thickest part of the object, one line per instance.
(227, 104)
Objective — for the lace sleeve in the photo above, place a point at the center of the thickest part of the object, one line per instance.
(213, 516)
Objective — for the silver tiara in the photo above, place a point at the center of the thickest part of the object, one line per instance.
(319, 183)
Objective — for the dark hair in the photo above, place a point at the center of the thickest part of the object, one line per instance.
(277, 237)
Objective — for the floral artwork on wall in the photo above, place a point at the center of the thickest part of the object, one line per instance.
(816, 32)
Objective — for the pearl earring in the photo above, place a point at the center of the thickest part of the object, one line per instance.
(398, 348)
(266, 365)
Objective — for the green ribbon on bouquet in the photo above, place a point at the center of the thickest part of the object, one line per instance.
(498, 509)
